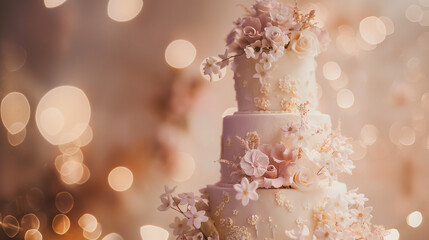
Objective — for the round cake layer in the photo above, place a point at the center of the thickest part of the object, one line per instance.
(275, 211)
(268, 127)
(290, 81)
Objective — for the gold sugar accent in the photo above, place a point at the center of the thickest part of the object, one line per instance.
(228, 142)
(253, 219)
(235, 212)
(262, 104)
(265, 89)
(288, 106)
(283, 202)
(288, 85)
(300, 221)
(252, 139)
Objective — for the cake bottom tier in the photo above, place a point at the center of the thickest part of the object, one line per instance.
(275, 211)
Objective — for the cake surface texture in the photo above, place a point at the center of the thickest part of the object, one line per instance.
(280, 158)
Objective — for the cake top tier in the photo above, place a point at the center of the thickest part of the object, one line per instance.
(272, 50)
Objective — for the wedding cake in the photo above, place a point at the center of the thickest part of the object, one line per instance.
(279, 157)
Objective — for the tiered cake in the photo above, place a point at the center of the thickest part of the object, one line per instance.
(279, 159)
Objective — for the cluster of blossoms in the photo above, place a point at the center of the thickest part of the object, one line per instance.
(194, 225)
(346, 217)
(301, 166)
(266, 33)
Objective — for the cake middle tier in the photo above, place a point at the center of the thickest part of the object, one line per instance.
(268, 128)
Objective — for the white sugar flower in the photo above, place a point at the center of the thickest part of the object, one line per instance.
(261, 73)
(281, 15)
(250, 52)
(299, 233)
(304, 179)
(289, 129)
(246, 191)
(188, 198)
(325, 233)
(196, 217)
(211, 68)
(179, 226)
(204, 193)
(362, 214)
(354, 198)
(254, 163)
(337, 205)
(344, 219)
(267, 60)
(277, 51)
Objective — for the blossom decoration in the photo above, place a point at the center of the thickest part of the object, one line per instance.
(195, 217)
(304, 179)
(299, 233)
(246, 191)
(254, 163)
(305, 43)
(179, 226)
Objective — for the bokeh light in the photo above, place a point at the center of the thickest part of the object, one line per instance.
(33, 234)
(372, 30)
(182, 167)
(345, 98)
(15, 112)
(331, 70)
(35, 198)
(14, 55)
(10, 226)
(16, 139)
(340, 83)
(61, 224)
(215, 76)
(88, 222)
(85, 176)
(63, 114)
(180, 53)
(424, 3)
(113, 236)
(346, 40)
(30, 221)
(120, 179)
(64, 202)
(407, 136)
(415, 219)
(414, 13)
(85, 138)
(93, 234)
(392, 234)
(369, 134)
(124, 10)
(71, 172)
(359, 150)
(229, 111)
(150, 232)
(53, 3)
(388, 23)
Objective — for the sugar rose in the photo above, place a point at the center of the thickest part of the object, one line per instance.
(276, 36)
(305, 43)
(304, 179)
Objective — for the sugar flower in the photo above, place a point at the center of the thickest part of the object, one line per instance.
(276, 36)
(179, 226)
(264, 6)
(344, 219)
(250, 52)
(299, 233)
(277, 52)
(304, 179)
(362, 214)
(246, 191)
(224, 58)
(165, 203)
(261, 73)
(325, 233)
(290, 128)
(304, 43)
(188, 198)
(196, 217)
(337, 205)
(254, 163)
(211, 68)
(168, 191)
(354, 198)
(281, 15)
(267, 60)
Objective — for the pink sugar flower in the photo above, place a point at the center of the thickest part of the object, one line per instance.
(254, 163)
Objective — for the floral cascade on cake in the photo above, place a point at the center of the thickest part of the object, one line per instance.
(280, 160)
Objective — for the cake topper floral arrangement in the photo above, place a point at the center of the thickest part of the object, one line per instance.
(267, 32)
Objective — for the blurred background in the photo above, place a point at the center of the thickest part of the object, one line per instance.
(103, 103)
